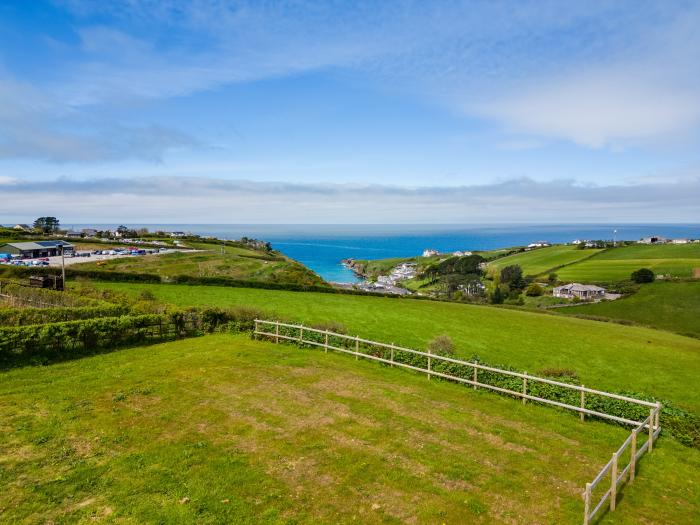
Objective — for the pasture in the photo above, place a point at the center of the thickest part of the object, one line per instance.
(604, 355)
(617, 264)
(541, 260)
(673, 306)
(222, 429)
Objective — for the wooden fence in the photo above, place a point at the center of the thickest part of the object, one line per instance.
(355, 345)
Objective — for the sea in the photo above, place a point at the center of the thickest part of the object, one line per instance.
(323, 247)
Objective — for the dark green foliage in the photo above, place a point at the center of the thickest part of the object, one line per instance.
(47, 224)
(497, 296)
(442, 345)
(28, 316)
(643, 275)
(534, 290)
(513, 276)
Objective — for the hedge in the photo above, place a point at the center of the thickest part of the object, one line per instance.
(29, 316)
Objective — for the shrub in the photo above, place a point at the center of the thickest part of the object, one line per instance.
(643, 275)
(331, 326)
(442, 345)
(552, 278)
(534, 290)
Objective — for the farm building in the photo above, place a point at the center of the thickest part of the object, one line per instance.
(582, 291)
(36, 248)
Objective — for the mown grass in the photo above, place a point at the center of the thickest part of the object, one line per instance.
(668, 305)
(541, 260)
(604, 355)
(222, 429)
(617, 264)
(234, 262)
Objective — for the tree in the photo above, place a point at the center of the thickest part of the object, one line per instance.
(643, 275)
(47, 224)
(552, 278)
(534, 290)
(513, 276)
(497, 296)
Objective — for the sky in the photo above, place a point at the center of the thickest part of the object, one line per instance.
(213, 111)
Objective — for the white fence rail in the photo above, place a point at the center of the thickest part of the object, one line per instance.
(650, 425)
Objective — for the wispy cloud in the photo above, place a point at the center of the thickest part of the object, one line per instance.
(225, 201)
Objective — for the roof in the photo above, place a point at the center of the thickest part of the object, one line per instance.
(38, 245)
(578, 287)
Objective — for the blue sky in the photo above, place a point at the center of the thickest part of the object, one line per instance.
(342, 112)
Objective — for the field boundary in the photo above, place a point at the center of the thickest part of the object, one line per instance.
(353, 345)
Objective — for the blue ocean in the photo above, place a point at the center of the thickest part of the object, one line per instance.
(322, 247)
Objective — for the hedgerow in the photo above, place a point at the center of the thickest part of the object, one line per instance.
(29, 316)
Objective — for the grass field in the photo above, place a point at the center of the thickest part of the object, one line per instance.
(535, 262)
(234, 262)
(222, 429)
(671, 306)
(605, 355)
(617, 264)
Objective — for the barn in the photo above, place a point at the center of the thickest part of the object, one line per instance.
(34, 249)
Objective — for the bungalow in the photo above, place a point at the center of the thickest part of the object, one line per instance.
(430, 253)
(32, 250)
(74, 234)
(680, 241)
(22, 227)
(462, 254)
(89, 232)
(538, 244)
(582, 291)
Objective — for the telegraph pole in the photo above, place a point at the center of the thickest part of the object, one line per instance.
(63, 266)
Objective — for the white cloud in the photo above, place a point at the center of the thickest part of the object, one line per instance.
(164, 199)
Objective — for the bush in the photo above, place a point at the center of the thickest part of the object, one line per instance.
(534, 290)
(643, 275)
(442, 345)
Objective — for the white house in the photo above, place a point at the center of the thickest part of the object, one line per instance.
(430, 253)
(177, 234)
(538, 244)
(680, 241)
(582, 291)
(461, 254)
(654, 239)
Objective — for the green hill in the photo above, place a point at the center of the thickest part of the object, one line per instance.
(541, 260)
(671, 306)
(617, 264)
(607, 355)
(234, 262)
(222, 429)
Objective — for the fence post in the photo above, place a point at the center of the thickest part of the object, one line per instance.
(651, 429)
(392, 355)
(476, 376)
(587, 504)
(277, 332)
(357, 347)
(583, 403)
(430, 364)
(325, 346)
(633, 459)
(301, 334)
(658, 413)
(613, 482)
(524, 388)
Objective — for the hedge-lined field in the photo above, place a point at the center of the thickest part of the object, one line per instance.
(677, 260)
(540, 260)
(671, 306)
(222, 429)
(603, 355)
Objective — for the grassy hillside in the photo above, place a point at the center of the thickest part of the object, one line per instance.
(234, 262)
(604, 355)
(618, 263)
(222, 429)
(535, 262)
(671, 306)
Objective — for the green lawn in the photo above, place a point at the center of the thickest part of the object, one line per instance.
(222, 429)
(618, 263)
(540, 260)
(671, 306)
(236, 263)
(605, 355)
